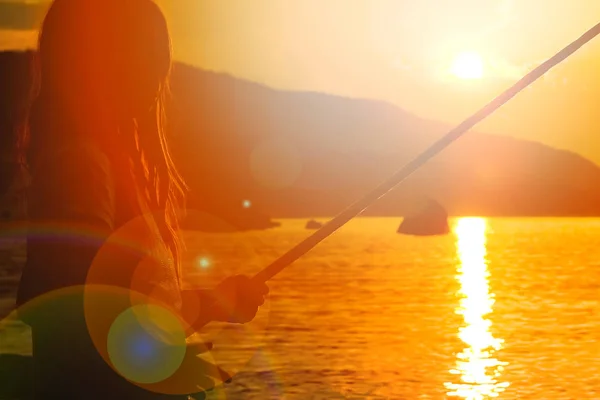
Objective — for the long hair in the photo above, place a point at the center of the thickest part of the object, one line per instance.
(102, 72)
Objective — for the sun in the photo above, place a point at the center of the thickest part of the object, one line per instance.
(467, 65)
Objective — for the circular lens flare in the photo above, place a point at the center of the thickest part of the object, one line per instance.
(146, 344)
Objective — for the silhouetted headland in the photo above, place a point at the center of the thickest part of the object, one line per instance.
(232, 222)
(299, 154)
(431, 220)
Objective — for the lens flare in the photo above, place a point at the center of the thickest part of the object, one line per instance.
(146, 344)
(203, 262)
(132, 305)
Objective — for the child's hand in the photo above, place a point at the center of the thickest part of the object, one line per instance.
(238, 299)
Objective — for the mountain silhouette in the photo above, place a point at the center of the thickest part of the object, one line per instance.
(301, 154)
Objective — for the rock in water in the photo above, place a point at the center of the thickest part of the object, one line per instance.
(430, 221)
(312, 224)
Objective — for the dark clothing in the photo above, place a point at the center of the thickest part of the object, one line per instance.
(75, 203)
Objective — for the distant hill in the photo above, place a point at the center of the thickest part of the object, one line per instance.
(296, 154)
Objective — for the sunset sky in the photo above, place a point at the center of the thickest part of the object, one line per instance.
(404, 51)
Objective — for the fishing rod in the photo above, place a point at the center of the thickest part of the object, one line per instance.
(361, 205)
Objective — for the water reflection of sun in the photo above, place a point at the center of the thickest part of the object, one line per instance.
(476, 366)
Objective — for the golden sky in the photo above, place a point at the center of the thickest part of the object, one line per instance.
(402, 51)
